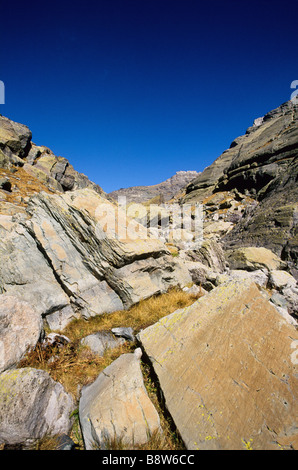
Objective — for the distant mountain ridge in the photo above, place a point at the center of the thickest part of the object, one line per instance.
(166, 189)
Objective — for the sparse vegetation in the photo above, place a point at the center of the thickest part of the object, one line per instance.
(24, 186)
(139, 316)
(75, 365)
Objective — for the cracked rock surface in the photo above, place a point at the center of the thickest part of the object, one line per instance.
(228, 370)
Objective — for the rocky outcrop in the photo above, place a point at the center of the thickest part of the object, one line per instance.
(56, 170)
(254, 159)
(18, 151)
(100, 342)
(227, 370)
(15, 141)
(94, 264)
(59, 258)
(272, 222)
(116, 406)
(263, 165)
(162, 192)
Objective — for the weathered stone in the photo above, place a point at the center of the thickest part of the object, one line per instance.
(153, 216)
(259, 276)
(262, 226)
(193, 290)
(62, 259)
(144, 278)
(252, 258)
(34, 152)
(25, 272)
(4, 160)
(285, 314)
(14, 137)
(279, 300)
(101, 341)
(244, 165)
(291, 295)
(43, 177)
(281, 279)
(222, 360)
(262, 163)
(5, 184)
(216, 230)
(32, 405)
(59, 319)
(210, 254)
(17, 150)
(124, 332)
(20, 329)
(117, 407)
(92, 263)
(60, 235)
(55, 340)
(65, 443)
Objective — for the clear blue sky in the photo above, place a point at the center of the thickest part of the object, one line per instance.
(131, 91)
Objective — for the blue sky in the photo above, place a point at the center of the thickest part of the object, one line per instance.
(131, 91)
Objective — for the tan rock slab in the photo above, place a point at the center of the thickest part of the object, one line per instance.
(116, 407)
(227, 366)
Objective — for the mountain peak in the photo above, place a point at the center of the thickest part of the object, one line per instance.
(166, 190)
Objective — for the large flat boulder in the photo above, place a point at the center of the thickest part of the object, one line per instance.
(227, 367)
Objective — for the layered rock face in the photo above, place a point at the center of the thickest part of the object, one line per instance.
(56, 253)
(263, 165)
(54, 173)
(163, 191)
(60, 259)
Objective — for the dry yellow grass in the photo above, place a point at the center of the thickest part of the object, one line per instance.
(75, 366)
(139, 316)
(23, 185)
